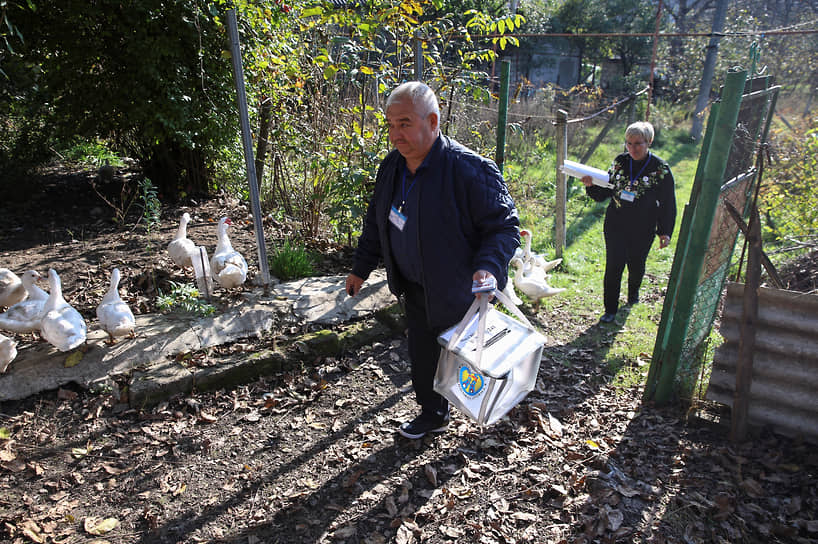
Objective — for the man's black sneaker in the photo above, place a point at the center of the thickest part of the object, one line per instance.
(424, 424)
(607, 318)
(633, 300)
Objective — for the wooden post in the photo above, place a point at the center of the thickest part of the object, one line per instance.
(747, 330)
(502, 114)
(418, 43)
(562, 189)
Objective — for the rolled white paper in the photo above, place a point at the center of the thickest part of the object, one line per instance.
(578, 170)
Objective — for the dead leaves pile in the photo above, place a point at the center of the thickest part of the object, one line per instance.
(314, 455)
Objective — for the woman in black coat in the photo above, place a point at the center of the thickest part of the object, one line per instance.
(642, 205)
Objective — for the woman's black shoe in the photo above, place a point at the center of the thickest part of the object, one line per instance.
(607, 318)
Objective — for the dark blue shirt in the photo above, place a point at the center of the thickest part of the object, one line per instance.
(404, 243)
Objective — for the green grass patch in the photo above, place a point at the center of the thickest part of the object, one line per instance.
(289, 262)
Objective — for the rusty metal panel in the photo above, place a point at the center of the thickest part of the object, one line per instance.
(784, 391)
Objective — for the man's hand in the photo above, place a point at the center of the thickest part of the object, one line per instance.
(483, 276)
(664, 241)
(587, 181)
(353, 284)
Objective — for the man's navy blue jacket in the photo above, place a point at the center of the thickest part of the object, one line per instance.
(467, 222)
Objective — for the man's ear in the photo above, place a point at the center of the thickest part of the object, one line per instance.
(434, 121)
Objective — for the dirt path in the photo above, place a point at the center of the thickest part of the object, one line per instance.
(312, 456)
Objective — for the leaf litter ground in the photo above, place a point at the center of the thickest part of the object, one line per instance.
(312, 455)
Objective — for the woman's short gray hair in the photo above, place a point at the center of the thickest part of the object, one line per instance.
(423, 98)
(642, 129)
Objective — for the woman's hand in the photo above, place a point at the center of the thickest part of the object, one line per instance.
(587, 181)
(664, 241)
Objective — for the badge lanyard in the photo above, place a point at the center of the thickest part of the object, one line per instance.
(630, 165)
(396, 216)
(404, 191)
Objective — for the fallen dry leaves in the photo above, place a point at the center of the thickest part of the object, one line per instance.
(314, 455)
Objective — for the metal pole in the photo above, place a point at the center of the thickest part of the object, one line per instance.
(502, 114)
(709, 68)
(418, 56)
(562, 189)
(653, 59)
(247, 140)
(668, 314)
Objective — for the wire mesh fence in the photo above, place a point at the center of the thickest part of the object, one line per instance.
(738, 189)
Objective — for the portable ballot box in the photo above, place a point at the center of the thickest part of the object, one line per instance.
(485, 384)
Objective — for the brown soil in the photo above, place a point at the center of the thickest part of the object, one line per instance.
(312, 456)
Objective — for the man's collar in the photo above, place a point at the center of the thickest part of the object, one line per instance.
(434, 150)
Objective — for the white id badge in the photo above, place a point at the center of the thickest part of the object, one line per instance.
(397, 218)
(627, 196)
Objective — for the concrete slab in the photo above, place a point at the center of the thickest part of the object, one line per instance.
(160, 337)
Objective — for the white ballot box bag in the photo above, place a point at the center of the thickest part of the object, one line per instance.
(489, 362)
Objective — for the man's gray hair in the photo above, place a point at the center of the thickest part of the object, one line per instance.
(423, 98)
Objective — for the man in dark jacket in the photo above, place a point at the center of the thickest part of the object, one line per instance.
(440, 218)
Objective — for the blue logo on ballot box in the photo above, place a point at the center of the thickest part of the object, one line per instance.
(471, 383)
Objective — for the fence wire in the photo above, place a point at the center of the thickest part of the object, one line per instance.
(738, 189)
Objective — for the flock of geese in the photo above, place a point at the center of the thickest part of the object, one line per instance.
(531, 274)
(32, 310)
(227, 266)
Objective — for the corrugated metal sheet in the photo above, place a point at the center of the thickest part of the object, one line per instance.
(784, 391)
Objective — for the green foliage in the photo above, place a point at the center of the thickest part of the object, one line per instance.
(788, 200)
(325, 71)
(148, 76)
(290, 262)
(23, 145)
(93, 153)
(184, 298)
(151, 206)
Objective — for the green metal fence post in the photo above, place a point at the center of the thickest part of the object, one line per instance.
(505, 68)
(701, 223)
(682, 239)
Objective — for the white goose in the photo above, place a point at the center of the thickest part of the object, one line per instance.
(62, 325)
(534, 259)
(227, 265)
(181, 247)
(115, 317)
(508, 291)
(532, 286)
(25, 316)
(8, 351)
(11, 288)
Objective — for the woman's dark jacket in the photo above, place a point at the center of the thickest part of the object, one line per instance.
(653, 211)
(467, 221)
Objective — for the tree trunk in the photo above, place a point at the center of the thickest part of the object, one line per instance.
(265, 116)
(708, 70)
